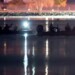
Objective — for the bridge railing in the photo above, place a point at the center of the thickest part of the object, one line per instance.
(37, 14)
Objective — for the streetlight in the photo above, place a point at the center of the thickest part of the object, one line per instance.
(26, 25)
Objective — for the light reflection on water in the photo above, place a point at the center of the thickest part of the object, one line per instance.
(33, 50)
(5, 45)
(47, 48)
(33, 70)
(25, 54)
(36, 50)
(46, 69)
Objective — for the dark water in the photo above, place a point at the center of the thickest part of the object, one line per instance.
(51, 55)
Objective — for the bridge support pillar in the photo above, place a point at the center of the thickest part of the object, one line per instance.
(47, 24)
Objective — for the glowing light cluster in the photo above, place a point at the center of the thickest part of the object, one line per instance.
(62, 3)
(26, 24)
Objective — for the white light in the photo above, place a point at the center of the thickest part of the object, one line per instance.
(25, 35)
(47, 48)
(33, 70)
(47, 29)
(29, 9)
(25, 54)
(4, 9)
(51, 16)
(26, 24)
(52, 10)
(46, 69)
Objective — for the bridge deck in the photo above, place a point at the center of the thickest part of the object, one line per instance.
(40, 17)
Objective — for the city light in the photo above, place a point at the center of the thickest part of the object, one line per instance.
(26, 25)
(25, 35)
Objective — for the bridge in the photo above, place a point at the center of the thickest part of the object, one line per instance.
(45, 17)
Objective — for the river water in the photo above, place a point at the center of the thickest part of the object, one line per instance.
(43, 55)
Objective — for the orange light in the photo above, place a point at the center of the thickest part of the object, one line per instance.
(60, 3)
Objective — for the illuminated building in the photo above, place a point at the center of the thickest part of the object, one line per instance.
(40, 4)
(16, 2)
(60, 3)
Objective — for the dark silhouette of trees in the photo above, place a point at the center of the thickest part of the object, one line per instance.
(73, 30)
(56, 29)
(40, 29)
(6, 28)
(51, 28)
(15, 28)
(67, 28)
(0, 29)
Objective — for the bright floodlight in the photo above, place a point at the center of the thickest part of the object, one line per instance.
(25, 35)
(26, 24)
